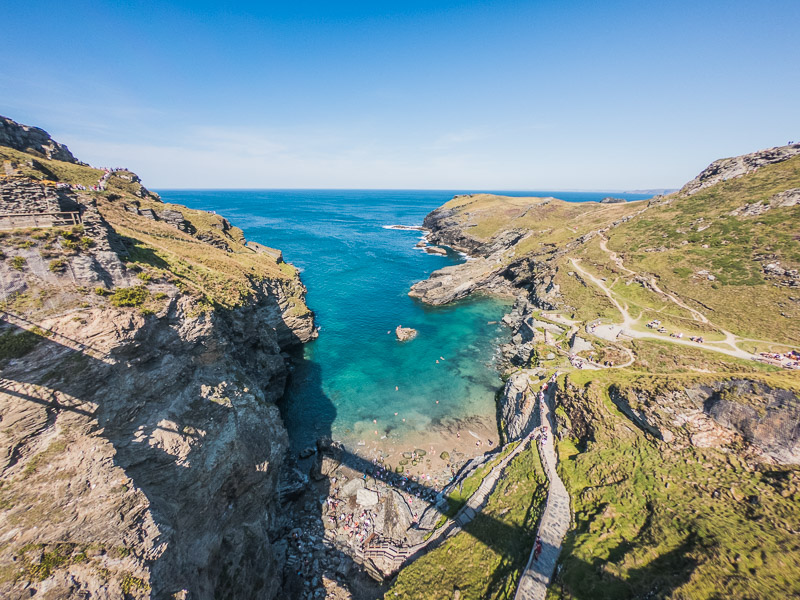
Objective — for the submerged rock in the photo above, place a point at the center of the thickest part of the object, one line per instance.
(306, 452)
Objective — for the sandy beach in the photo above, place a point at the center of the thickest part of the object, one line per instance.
(447, 446)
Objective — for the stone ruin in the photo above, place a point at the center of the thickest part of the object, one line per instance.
(25, 203)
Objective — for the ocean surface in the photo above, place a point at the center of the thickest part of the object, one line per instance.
(357, 379)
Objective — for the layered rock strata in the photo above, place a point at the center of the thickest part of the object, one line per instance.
(141, 446)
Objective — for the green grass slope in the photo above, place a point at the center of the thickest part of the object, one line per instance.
(209, 261)
(660, 520)
(678, 240)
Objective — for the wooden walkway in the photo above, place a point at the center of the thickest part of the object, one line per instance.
(555, 520)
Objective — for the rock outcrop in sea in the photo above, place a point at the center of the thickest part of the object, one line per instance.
(405, 334)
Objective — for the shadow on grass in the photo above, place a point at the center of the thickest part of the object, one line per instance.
(584, 580)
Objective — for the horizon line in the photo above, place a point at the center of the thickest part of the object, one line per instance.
(366, 189)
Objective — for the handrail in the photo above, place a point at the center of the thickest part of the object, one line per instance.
(38, 214)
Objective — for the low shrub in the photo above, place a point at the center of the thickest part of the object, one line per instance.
(58, 266)
(17, 345)
(69, 244)
(132, 296)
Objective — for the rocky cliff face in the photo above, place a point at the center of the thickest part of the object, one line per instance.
(719, 414)
(493, 266)
(730, 168)
(32, 140)
(515, 408)
(141, 445)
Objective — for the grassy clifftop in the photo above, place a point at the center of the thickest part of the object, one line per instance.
(549, 220)
(680, 455)
(200, 252)
(730, 252)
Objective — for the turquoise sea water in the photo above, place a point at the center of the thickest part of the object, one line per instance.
(358, 275)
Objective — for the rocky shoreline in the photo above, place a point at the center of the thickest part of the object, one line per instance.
(343, 497)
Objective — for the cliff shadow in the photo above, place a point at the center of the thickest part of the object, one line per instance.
(208, 510)
(308, 476)
(196, 510)
(589, 580)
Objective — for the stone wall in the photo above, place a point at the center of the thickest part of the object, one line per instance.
(25, 196)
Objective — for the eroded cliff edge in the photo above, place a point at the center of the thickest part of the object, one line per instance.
(142, 349)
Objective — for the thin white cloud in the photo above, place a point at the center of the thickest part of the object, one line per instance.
(458, 138)
(234, 140)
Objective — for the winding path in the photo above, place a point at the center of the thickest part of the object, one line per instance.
(629, 322)
(555, 519)
(731, 339)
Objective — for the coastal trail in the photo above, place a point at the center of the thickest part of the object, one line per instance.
(730, 339)
(555, 519)
(629, 323)
(696, 314)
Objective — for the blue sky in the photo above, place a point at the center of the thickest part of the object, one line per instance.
(536, 95)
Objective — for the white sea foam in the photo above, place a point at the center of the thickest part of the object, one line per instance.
(405, 227)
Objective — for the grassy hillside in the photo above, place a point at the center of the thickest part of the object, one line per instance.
(657, 520)
(207, 259)
(666, 445)
(551, 222)
(677, 241)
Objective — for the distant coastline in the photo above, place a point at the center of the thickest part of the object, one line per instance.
(654, 192)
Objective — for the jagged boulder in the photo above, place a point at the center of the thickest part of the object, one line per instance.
(515, 407)
(730, 168)
(397, 517)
